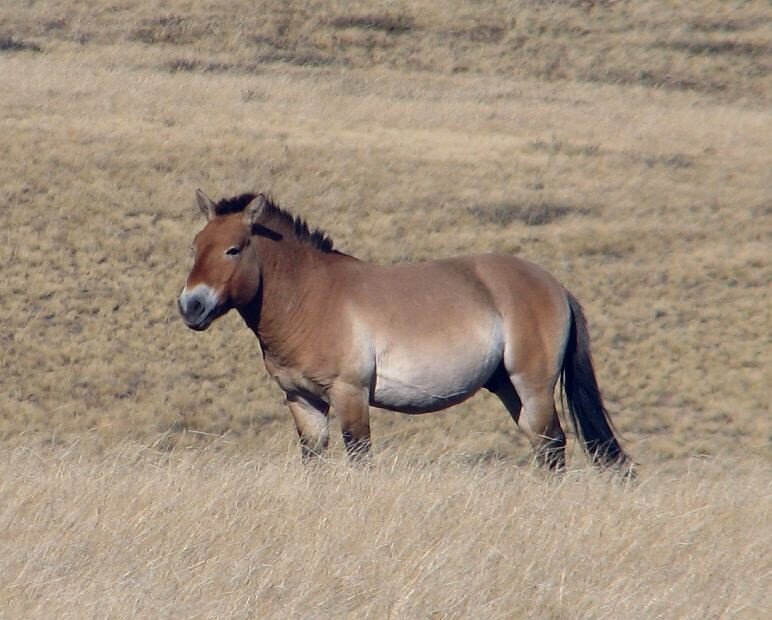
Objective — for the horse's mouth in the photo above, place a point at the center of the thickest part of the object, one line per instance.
(200, 326)
(202, 323)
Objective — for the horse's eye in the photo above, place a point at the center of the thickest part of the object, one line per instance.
(233, 251)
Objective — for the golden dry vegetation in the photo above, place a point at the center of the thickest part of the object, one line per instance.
(198, 534)
(625, 146)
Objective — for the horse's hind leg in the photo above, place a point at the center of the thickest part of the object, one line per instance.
(532, 407)
(541, 423)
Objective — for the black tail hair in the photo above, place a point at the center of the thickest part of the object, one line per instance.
(585, 403)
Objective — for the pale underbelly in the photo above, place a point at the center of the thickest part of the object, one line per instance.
(429, 379)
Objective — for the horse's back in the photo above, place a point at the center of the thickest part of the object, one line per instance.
(502, 283)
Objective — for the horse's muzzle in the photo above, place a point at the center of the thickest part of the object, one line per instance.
(198, 307)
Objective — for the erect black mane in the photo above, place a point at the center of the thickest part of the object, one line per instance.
(275, 217)
(237, 204)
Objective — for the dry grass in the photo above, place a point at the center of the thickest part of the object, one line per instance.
(196, 534)
(625, 146)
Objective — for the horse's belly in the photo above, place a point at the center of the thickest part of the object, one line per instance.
(434, 376)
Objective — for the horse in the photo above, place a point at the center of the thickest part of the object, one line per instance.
(341, 334)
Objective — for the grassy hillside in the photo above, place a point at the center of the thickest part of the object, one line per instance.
(146, 470)
(624, 146)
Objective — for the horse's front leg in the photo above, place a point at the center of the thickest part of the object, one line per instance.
(310, 417)
(352, 407)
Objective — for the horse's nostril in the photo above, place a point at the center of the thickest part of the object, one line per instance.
(190, 307)
(195, 307)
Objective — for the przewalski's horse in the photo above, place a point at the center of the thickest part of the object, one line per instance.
(340, 333)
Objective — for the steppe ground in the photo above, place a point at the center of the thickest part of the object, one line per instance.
(149, 471)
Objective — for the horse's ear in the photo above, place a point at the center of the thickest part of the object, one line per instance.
(255, 209)
(205, 204)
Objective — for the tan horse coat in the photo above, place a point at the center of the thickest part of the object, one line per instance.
(345, 334)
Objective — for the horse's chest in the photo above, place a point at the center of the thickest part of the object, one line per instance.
(292, 379)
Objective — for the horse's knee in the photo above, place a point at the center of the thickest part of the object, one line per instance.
(312, 425)
(312, 446)
(351, 405)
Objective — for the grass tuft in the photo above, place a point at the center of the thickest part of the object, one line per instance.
(391, 24)
(11, 44)
(535, 214)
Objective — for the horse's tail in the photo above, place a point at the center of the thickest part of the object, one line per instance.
(585, 404)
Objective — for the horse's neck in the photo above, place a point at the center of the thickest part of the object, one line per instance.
(292, 278)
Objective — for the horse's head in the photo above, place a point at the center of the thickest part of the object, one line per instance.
(226, 268)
